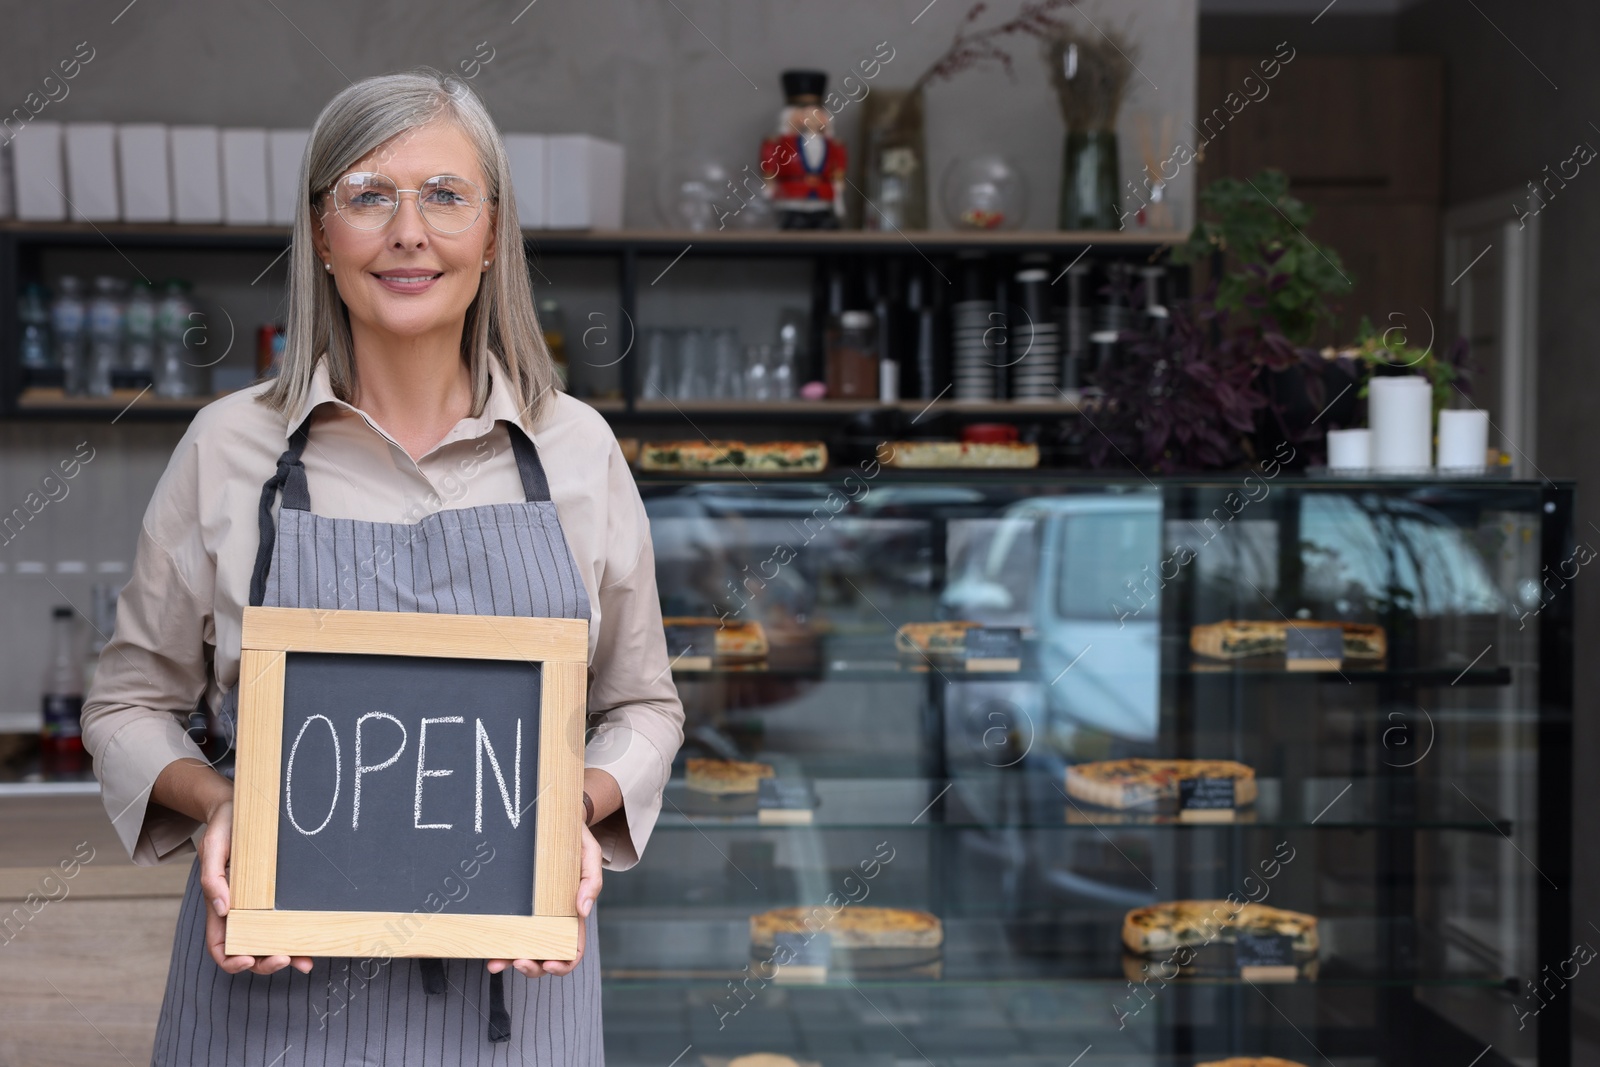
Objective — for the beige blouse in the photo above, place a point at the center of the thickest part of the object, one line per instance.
(178, 620)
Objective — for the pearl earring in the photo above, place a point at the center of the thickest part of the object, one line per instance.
(486, 263)
(327, 267)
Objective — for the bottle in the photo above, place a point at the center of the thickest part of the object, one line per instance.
(61, 733)
(553, 321)
(172, 369)
(790, 356)
(139, 328)
(881, 288)
(1075, 364)
(105, 334)
(852, 356)
(923, 366)
(33, 315)
(103, 615)
(280, 341)
(68, 323)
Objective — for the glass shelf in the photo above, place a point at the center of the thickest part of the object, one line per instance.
(1035, 802)
(886, 668)
(998, 952)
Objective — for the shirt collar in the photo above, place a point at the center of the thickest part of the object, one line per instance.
(501, 405)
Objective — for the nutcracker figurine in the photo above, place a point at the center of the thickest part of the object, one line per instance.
(803, 166)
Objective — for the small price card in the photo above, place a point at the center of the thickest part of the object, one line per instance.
(1265, 957)
(994, 648)
(690, 648)
(1206, 800)
(1314, 648)
(808, 956)
(785, 801)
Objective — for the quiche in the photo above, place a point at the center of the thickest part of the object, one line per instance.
(1237, 639)
(1251, 1061)
(1160, 928)
(735, 640)
(767, 457)
(723, 776)
(1131, 783)
(946, 454)
(948, 638)
(852, 927)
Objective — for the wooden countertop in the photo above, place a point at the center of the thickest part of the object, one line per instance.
(39, 833)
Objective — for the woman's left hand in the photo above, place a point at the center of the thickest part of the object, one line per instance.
(589, 879)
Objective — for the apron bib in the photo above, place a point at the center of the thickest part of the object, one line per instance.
(495, 559)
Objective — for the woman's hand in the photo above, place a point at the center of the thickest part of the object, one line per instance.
(589, 879)
(215, 844)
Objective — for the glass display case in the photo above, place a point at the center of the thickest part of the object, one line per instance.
(952, 840)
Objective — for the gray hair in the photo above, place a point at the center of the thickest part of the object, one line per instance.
(501, 322)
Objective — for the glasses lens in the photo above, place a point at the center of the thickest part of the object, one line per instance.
(364, 199)
(449, 203)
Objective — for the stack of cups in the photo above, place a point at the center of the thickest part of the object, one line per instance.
(1035, 342)
(977, 331)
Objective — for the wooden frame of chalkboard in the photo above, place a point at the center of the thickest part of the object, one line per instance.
(270, 635)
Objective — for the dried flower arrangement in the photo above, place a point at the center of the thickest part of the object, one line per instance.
(969, 48)
(1091, 73)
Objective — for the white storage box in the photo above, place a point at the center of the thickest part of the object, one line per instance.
(526, 153)
(41, 184)
(196, 173)
(244, 178)
(146, 177)
(584, 187)
(284, 150)
(92, 171)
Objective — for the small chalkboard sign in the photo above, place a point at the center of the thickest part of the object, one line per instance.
(1314, 648)
(691, 648)
(1265, 957)
(993, 648)
(808, 956)
(785, 801)
(1206, 800)
(407, 784)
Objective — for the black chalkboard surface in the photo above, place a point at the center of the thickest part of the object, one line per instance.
(401, 773)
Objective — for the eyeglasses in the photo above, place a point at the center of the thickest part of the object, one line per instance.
(367, 200)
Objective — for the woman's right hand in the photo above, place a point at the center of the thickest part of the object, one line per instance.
(215, 844)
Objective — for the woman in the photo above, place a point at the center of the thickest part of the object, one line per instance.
(417, 409)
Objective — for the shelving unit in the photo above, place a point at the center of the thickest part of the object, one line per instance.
(635, 262)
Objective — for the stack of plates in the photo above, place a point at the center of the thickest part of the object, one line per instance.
(979, 337)
(1036, 356)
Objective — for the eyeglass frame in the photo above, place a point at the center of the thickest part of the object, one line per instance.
(395, 211)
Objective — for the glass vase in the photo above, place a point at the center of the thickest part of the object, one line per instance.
(896, 161)
(1089, 181)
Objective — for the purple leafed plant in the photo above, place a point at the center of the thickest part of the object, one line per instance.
(1189, 400)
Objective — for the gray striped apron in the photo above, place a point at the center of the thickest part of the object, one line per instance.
(496, 559)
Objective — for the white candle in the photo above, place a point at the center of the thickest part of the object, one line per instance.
(1463, 440)
(1349, 450)
(1400, 412)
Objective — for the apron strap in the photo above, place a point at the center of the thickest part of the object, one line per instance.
(290, 477)
(434, 983)
(535, 486)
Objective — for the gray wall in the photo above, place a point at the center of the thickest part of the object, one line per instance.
(669, 80)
